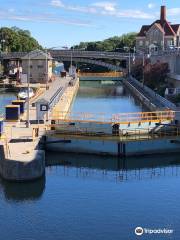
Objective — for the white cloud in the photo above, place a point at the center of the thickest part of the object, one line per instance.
(106, 6)
(6, 15)
(57, 3)
(151, 5)
(138, 14)
(11, 10)
(173, 11)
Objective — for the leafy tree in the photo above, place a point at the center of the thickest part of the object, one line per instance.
(111, 44)
(17, 40)
(154, 75)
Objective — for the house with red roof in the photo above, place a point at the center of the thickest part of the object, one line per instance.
(160, 35)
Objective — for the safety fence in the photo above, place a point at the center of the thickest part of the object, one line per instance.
(105, 133)
(120, 118)
(105, 74)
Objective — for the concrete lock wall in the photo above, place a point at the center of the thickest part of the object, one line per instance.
(110, 147)
(22, 170)
(145, 101)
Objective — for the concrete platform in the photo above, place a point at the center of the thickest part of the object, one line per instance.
(22, 165)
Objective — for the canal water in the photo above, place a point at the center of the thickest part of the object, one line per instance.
(5, 99)
(84, 197)
(95, 97)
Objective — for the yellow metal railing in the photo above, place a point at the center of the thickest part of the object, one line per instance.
(113, 134)
(121, 118)
(105, 74)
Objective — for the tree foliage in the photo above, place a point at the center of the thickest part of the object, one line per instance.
(17, 40)
(111, 44)
(154, 75)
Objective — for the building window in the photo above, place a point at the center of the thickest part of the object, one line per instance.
(140, 43)
(170, 42)
(40, 66)
(147, 43)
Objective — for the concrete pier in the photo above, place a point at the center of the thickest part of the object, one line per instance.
(20, 156)
(21, 165)
(66, 100)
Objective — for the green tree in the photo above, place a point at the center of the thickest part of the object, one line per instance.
(117, 43)
(17, 40)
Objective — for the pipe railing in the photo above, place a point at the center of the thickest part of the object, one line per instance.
(135, 134)
(115, 118)
(105, 74)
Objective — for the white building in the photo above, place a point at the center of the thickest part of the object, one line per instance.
(39, 65)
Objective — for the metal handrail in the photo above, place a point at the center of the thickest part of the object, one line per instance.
(115, 118)
(135, 134)
(105, 74)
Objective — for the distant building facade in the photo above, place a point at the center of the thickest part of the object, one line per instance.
(160, 35)
(39, 66)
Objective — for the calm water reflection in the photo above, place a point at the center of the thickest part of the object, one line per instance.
(97, 98)
(92, 197)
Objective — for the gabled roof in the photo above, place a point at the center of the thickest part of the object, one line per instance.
(143, 30)
(175, 27)
(169, 30)
(163, 25)
(38, 55)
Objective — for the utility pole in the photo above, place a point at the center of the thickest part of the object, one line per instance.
(46, 74)
(129, 70)
(28, 99)
(71, 60)
(143, 68)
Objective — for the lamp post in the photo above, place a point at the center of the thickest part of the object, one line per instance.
(143, 68)
(71, 72)
(28, 97)
(129, 65)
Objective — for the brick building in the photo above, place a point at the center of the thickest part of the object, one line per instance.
(160, 35)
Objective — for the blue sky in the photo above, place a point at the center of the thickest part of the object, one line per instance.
(64, 23)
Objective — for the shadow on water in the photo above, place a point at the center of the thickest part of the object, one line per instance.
(118, 169)
(109, 162)
(23, 191)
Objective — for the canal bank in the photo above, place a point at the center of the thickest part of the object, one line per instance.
(21, 158)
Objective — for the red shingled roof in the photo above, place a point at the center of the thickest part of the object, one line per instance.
(143, 30)
(175, 27)
(170, 30)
